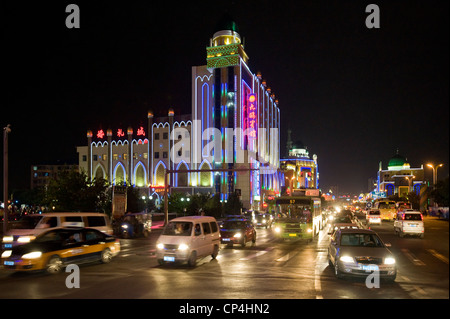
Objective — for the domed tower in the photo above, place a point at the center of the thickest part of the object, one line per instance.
(397, 162)
(225, 46)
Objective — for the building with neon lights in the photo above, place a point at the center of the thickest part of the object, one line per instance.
(300, 171)
(227, 99)
(400, 178)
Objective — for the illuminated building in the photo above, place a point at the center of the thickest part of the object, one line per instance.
(227, 94)
(301, 173)
(226, 97)
(399, 179)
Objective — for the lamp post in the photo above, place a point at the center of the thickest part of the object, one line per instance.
(6, 131)
(435, 172)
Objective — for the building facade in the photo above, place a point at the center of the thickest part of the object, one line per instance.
(234, 124)
(400, 178)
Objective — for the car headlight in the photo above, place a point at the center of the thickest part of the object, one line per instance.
(160, 245)
(309, 230)
(238, 235)
(346, 259)
(32, 255)
(277, 229)
(183, 247)
(389, 261)
(8, 239)
(125, 226)
(25, 239)
(6, 253)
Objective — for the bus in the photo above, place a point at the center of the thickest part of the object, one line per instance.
(299, 217)
(387, 208)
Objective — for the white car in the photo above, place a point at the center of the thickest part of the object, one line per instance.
(373, 217)
(409, 222)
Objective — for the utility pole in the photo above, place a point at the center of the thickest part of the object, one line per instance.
(6, 131)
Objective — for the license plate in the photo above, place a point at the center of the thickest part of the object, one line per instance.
(413, 225)
(293, 235)
(226, 239)
(8, 263)
(370, 268)
(169, 258)
(7, 245)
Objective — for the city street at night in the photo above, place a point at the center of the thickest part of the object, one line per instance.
(269, 269)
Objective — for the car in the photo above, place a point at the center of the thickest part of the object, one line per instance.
(360, 252)
(373, 217)
(185, 239)
(32, 225)
(262, 220)
(237, 231)
(409, 222)
(341, 220)
(54, 249)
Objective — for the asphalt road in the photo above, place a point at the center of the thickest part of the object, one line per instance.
(269, 269)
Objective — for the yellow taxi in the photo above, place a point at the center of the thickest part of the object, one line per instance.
(53, 250)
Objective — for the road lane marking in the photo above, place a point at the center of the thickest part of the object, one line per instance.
(438, 255)
(416, 261)
(259, 253)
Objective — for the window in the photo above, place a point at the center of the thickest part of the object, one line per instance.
(156, 136)
(115, 157)
(50, 221)
(145, 155)
(206, 228)
(84, 158)
(95, 157)
(156, 154)
(95, 221)
(92, 235)
(214, 227)
(165, 136)
(164, 154)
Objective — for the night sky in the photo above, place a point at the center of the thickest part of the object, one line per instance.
(352, 95)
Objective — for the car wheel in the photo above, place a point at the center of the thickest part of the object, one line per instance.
(106, 256)
(192, 259)
(422, 236)
(54, 265)
(215, 252)
(401, 234)
(337, 272)
(244, 242)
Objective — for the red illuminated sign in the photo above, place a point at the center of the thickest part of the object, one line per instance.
(141, 131)
(120, 133)
(100, 134)
(252, 118)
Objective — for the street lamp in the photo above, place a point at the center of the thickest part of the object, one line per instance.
(435, 172)
(6, 131)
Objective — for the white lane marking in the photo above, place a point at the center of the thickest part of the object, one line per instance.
(416, 261)
(259, 253)
(438, 255)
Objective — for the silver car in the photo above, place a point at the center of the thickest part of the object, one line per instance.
(360, 252)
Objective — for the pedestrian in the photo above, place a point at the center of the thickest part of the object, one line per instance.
(439, 213)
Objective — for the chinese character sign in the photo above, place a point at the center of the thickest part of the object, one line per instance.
(141, 131)
(100, 134)
(252, 121)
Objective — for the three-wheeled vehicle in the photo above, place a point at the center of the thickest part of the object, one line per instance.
(136, 225)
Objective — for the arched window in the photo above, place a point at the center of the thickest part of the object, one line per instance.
(205, 177)
(119, 174)
(183, 178)
(159, 174)
(140, 175)
(389, 189)
(99, 172)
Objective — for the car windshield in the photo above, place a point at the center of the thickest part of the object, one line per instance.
(413, 217)
(361, 239)
(26, 222)
(234, 224)
(386, 205)
(374, 213)
(342, 219)
(178, 229)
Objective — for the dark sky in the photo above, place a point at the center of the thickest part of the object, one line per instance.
(352, 95)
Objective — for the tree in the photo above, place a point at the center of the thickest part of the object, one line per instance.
(72, 191)
(233, 206)
(440, 193)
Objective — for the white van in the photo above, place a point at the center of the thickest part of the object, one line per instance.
(188, 238)
(409, 222)
(32, 225)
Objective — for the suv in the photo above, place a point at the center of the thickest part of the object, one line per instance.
(409, 222)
